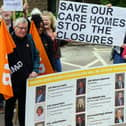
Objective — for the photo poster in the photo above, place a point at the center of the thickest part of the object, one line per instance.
(13, 5)
(90, 97)
(91, 23)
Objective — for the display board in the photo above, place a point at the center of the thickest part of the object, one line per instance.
(89, 97)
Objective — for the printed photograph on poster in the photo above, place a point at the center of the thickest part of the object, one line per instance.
(80, 104)
(80, 120)
(40, 94)
(40, 124)
(119, 98)
(119, 83)
(81, 86)
(119, 115)
(39, 113)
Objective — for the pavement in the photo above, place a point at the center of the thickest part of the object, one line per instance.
(80, 56)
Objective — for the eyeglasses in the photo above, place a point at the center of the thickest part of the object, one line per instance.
(22, 28)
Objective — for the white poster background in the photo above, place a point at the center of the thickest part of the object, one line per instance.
(87, 23)
(100, 100)
(13, 5)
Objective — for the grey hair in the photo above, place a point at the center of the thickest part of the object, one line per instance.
(20, 20)
(36, 11)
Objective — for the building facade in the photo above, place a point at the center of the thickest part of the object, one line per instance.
(51, 5)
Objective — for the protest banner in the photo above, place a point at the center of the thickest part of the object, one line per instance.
(91, 23)
(88, 96)
(13, 5)
(45, 66)
(7, 46)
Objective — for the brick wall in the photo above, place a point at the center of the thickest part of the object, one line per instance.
(41, 4)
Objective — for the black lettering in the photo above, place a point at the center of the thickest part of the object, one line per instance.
(81, 37)
(70, 7)
(94, 28)
(69, 17)
(92, 19)
(65, 36)
(82, 26)
(61, 16)
(108, 21)
(60, 25)
(94, 10)
(67, 25)
(59, 34)
(100, 20)
(103, 40)
(102, 10)
(115, 21)
(77, 8)
(100, 29)
(75, 27)
(108, 30)
(96, 39)
(88, 38)
(110, 40)
(76, 17)
(84, 8)
(83, 18)
(63, 6)
(122, 23)
(109, 11)
(74, 36)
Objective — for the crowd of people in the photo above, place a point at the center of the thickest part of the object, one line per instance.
(29, 58)
(45, 23)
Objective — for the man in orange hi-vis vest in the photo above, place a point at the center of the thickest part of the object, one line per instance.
(6, 47)
(45, 66)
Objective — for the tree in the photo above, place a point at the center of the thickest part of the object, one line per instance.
(120, 3)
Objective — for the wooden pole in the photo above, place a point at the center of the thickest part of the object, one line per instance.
(14, 15)
(26, 2)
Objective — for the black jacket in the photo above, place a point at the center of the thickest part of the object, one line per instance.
(22, 61)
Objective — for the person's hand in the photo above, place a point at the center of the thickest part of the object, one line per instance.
(33, 74)
(123, 46)
(109, 5)
(25, 6)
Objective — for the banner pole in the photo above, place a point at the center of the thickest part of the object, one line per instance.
(26, 8)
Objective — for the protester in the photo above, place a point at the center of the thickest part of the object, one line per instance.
(50, 25)
(45, 39)
(7, 16)
(23, 63)
(116, 54)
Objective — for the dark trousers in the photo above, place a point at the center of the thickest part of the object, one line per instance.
(1, 101)
(9, 109)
